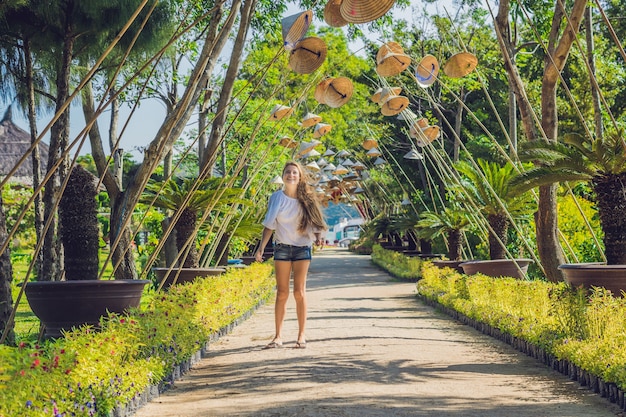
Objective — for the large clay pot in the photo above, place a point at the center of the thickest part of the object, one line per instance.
(439, 263)
(515, 268)
(61, 305)
(587, 275)
(183, 275)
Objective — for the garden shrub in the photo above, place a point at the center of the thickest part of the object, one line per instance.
(89, 373)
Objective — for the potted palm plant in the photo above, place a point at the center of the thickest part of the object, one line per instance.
(602, 164)
(451, 223)
(80, 297)
(487, 188)
(187, 198)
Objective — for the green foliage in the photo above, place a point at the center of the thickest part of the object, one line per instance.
(15, 198)
(586, 329)
(397, 264)
(575, 231)
(89, 373)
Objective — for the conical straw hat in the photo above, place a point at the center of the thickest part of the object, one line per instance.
(340, 170)
(417, 126)
(374, 152)
(413, 154)
(388, 48)
(313, 166)
(294, 28)
(307, 55)
(460, 64)
(277, 180)
(379, 161)
(320, 90)
(407, 115)
(382, 92)
(322, 162)
(332, 14)
(306, 147)
(369, 143)
(310, 154)
(343, 153)
(279, 112)
(321, 129)
(338, 92)
(310, 119)
(363, 11)
(394, 105)
(393, 64)
(287, 142)
(426, 71)
(329, 152)
(427, 135)
(347, 162)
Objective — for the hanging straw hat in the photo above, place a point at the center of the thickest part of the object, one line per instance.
(330, 167)
(279, 112)
(374, 152)
(347, 162)
(426, 71)
(310, 154)
(322, 162)
(294, 28)
(417, 126)
(340, 170)
(363, 11)
(391, 60)
(332, 14)
(369, 143)
(379, 161)
(427, 135)
(310, 119)
(407, 115)
(329, 152)
(382, 92)
(393, 105)
(320, 90)
(460, 64)
(338, 92)
(306, 147)
(413, 154)
(321, 129)
(287, 142)
(312, 166)
(343, 153)
(307, 55)
(358, 166)
(277, 180)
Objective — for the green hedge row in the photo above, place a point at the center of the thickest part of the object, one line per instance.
(91, 373)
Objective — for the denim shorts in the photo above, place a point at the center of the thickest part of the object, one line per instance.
(283, 252)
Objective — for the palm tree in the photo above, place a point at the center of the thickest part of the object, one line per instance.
(487, 187)
(599, 162)
(188, 198)
(450, 222)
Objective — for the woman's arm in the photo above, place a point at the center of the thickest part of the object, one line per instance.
(267, 234)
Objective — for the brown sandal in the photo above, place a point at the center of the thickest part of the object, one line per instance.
(273, 345)
(300, 345)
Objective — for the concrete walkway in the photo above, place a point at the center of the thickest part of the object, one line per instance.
(373, 350)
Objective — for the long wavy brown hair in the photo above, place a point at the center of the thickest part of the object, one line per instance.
(311, 209)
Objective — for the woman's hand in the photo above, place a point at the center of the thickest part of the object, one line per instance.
(258, 256)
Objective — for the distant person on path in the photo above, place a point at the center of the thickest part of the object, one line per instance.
(295, 217)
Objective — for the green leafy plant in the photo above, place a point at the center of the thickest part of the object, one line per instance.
(450, 223)
(599, 162)
(397, 264)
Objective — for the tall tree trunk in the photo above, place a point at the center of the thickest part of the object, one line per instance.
(59, 139)
(216, 137)
(36, 157)
(172, 127)
(6, 276)
(548, 245)
(595, 92)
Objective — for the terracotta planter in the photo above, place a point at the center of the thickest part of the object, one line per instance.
(61, 305)
(611, 277)
(183, 275)
(449, 264)
(498, 267)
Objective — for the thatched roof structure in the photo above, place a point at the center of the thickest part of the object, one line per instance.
(14, 143)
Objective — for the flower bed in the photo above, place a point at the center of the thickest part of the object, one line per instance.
(580, 335)
(97, 373)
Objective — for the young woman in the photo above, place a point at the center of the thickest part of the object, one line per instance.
(295, 218)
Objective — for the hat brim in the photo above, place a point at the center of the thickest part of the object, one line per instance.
(332, 14)
(307, 55)
(461, 64)
(338, 92)
(363, 11)
(393, 64)
(294, 27)
(394, 105)
(427, 71)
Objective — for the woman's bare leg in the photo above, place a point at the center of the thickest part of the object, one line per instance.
(282, 270)
(300, 270)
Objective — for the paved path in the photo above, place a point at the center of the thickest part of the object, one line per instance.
(373, 350)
